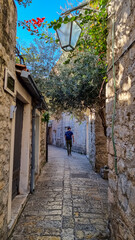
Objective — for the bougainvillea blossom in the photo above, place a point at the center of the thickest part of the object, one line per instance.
(32, 25)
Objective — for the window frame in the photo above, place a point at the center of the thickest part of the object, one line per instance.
(7, 74)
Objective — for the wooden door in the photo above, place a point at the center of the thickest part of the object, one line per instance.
(17, 147)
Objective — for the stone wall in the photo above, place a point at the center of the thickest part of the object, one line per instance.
(97, 141)
(42, 145)
(8, 18)
(91, 149)
(100, 143)
(57, 133)
(122, 184)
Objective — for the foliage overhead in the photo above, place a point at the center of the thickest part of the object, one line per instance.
(24, 3)
(74, 87)
(93, 20)
(40, 58)
(79, 83)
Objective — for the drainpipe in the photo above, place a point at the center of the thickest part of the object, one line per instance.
(32, 181)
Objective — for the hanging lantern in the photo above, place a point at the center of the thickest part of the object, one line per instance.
(68, 35)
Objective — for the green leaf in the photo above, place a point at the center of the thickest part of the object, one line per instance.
(58, 25)
(60, 19)
(67, 61)
(66, 19)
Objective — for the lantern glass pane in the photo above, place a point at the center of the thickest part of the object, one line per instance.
(76, 30)
(68, 48)
(64, 33)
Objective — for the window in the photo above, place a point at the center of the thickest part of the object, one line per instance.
(9, 82)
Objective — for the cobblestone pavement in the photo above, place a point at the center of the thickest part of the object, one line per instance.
(69, 203)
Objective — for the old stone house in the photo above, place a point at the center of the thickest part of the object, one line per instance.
(121, 25)
(57, 129)
(22, 134)
(90, 138)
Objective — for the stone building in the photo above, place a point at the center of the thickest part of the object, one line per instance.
(22, 134)
(122, 168)
(58, 128)
(90, 138)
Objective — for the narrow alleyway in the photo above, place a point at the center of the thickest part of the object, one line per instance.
(69, 203)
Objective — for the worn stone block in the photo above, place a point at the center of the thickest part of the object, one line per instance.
(121, 166)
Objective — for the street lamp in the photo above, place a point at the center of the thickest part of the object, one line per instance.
(68, 35)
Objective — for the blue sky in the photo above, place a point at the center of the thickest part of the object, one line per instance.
(38, 8)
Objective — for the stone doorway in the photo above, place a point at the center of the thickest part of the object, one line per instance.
(17, 148)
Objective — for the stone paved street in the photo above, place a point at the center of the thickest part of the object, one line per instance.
(69, 203)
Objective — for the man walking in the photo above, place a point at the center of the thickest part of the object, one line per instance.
(68, 137)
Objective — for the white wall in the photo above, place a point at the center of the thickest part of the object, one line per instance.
(79, 130)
